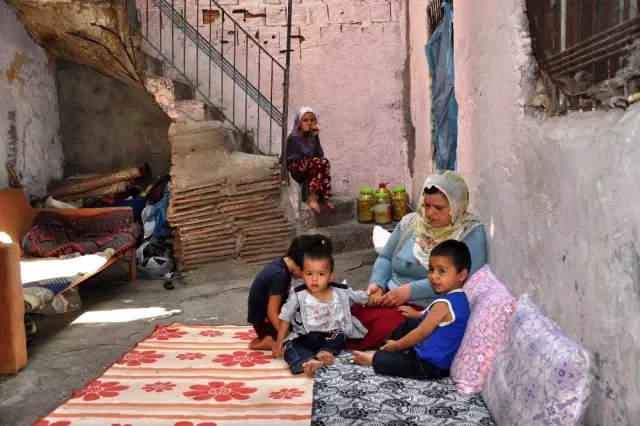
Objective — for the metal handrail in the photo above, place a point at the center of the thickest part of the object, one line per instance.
(178, 20)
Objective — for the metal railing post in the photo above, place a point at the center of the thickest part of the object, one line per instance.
(186, 29)
(284, 177)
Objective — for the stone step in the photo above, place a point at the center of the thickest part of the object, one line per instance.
(345, 211)
(192, 110)
(349, 236)
(183, 91)
(153, 66)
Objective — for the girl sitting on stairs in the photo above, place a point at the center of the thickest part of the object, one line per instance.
(305, 159)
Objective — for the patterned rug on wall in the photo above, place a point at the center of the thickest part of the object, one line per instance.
(191, 376)
(352, 395)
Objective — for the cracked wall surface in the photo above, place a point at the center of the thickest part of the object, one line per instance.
(559, 199)
(29, 137)
(95, 33)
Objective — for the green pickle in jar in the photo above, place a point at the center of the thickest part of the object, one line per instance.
(366, 200)
(399, 203)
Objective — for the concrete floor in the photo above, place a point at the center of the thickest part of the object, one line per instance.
(65, 356)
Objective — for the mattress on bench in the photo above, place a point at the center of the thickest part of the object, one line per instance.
(43, 279)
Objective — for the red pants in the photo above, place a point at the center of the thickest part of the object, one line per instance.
(380, 322)
(316, 172)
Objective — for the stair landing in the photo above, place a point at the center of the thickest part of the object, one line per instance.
(341, 225)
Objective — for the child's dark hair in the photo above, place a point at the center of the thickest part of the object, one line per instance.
(319, 254)
(303, 244)
(457, 251)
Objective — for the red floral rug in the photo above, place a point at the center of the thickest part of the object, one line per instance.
(186, 375)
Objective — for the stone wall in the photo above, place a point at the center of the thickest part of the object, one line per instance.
(559, 199)
(349, 62)
(107, 125)
(29, 138)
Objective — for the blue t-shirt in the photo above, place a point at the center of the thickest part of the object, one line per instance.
(273, 280)
(442, 344)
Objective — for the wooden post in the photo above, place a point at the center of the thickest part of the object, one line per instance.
(13, 350)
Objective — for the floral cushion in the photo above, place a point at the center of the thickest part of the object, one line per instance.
(491, 307)
(541, 376)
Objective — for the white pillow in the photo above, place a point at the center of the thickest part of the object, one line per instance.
(380, 238)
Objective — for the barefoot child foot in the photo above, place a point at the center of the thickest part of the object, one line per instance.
(326, 357)
(363, 358)
(312, 201)
(310, 367)
(264, 344)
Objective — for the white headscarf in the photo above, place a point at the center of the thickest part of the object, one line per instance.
(427, 236)
(296, 120)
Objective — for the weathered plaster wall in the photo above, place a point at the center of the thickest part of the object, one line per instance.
(420, 96)
(107, 125)
(350, 68)
(559, 198)
(28, 108)
(348, 62)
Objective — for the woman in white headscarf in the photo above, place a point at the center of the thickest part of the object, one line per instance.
(305, 159)
(400, 273)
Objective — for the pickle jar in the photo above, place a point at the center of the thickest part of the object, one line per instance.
(399, 203)
(366, 200)
(382, 208)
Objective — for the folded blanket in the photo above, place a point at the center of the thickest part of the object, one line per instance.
(54, 235)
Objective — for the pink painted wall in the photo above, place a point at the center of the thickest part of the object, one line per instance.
(420, 96)
(351, 69)
(349, 62)
(558, 197)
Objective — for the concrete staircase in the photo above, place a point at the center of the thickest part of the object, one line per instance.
(177, 98)
(225, 201)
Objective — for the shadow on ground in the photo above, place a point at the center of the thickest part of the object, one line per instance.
(72, 349)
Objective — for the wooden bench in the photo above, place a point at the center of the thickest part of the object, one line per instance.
(16, 218)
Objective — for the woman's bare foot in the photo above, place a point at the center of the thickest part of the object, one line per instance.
(310, 367)
(312, 201)
(264, 344)
(326, 357)
(363, 358)
(330, 204)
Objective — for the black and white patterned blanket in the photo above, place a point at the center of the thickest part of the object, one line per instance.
(351, 395)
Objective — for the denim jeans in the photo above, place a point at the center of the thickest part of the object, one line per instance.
(407, 363)
(303, 348)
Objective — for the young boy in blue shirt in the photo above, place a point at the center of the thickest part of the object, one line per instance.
(424, 345)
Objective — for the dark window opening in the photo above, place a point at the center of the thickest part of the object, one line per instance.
(580, 44)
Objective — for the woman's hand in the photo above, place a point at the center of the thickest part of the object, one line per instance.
(390, 346)
(396, 297)
(315, 129)
(409, 312)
